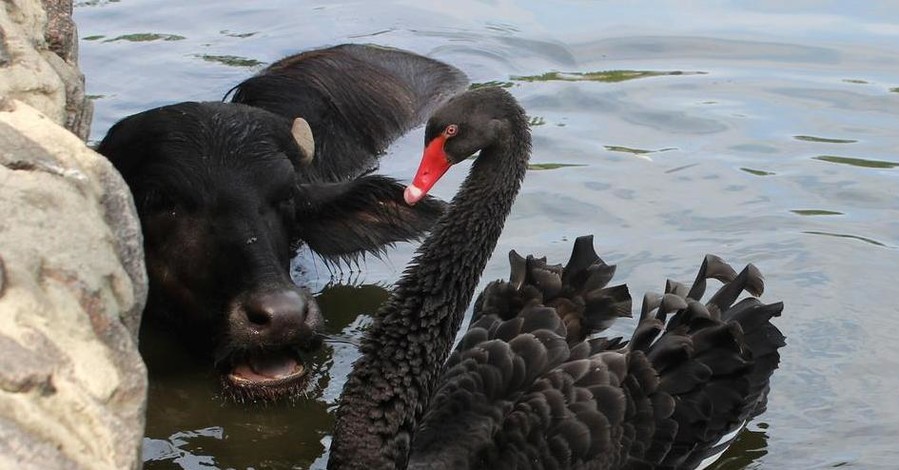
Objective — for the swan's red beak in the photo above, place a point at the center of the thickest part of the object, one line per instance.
(434, 164)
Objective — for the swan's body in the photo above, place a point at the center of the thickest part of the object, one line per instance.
(525, 388)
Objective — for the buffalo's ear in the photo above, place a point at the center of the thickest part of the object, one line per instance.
(339, 220)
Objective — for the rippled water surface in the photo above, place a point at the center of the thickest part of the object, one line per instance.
(764, 131)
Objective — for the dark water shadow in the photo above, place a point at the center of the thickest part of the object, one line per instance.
(749, 447)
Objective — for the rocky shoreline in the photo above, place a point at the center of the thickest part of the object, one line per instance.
(72, 278)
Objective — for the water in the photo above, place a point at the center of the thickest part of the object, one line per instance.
(764, 132)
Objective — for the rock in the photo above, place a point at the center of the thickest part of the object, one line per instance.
(72, 286)
(72, 276)
(61, 34)
(38, 61)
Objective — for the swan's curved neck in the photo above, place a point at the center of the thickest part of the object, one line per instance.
(404, 349)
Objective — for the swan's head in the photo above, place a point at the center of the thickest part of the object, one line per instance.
(464, 125)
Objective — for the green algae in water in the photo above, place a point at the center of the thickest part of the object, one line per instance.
(635, 151)
(847, 236)
(757, 172)
(859, 162)
(823, 140)
(813, 212)
(231, 60)
(619, 148)
(608, 76)
(237, 35)
(147, 37)
(551, 166)
(492, 83)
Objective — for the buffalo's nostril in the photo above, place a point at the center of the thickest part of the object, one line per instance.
(259, 316)
(278, 315)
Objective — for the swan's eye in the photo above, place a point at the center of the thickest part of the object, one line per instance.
(451, 130)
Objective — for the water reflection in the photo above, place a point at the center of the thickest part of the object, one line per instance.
(749, 447)
(190, 426)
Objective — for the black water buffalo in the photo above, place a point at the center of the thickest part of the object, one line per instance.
(227, 191)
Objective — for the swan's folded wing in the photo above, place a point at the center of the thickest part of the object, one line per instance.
(675, 397)
(714, 359)
(522, 332)
(516, 395)
(494, 365)
(579, 292)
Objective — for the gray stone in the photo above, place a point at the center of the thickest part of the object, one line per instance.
(4, 55)
(38, 62)
(20, 449)
(61, 34)
(72, 286)
(2, 277)
(31, 371)
(72, 277)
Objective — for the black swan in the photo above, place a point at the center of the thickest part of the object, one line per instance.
(529, 385)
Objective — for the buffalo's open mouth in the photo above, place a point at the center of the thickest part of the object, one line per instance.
(265, 376)
(267, 369)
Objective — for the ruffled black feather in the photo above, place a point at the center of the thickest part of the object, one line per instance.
(531, 385)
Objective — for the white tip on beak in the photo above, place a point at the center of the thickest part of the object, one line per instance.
(413, 194)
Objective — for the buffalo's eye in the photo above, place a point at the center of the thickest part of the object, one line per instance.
(284, 203)
(283, 195)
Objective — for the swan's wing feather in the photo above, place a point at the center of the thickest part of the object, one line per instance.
(495, 363)
(521, 392)
(578, 292)
(714, 359)
(587, 413)
(676, 397)
(503, 300)
(521, 330)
